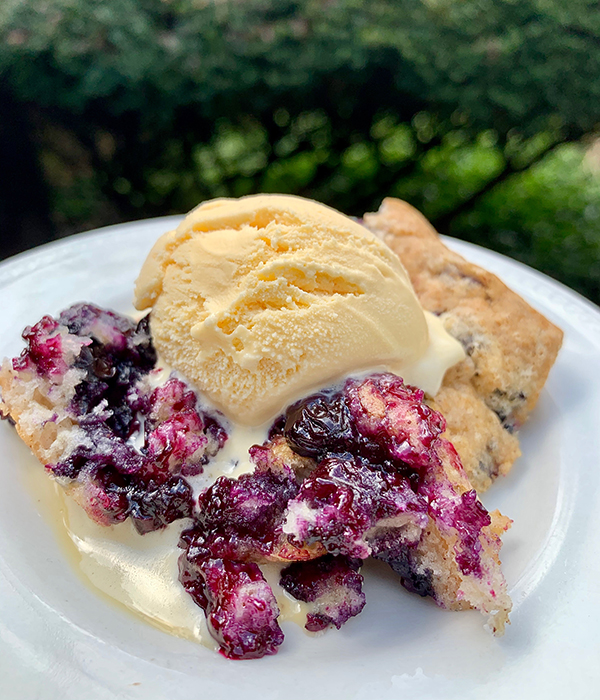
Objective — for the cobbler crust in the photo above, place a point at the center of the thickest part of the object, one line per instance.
(510, 347)
(37, 407)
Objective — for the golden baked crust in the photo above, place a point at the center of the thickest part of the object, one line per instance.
(486, 448)
(38, 409)
(510, 347)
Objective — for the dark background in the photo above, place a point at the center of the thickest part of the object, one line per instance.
(484, 114)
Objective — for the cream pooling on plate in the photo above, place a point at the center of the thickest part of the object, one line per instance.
(260, 300)
(141, 573)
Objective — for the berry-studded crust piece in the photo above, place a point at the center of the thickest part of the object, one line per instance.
(239, 525)
(331, 584)
(240, 607)
(510, 347)
(388, 485)
(79, 394)
(345, 475)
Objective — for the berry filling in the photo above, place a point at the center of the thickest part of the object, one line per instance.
(405, 476)
(242, 519)
(241, 610)
(89, 370)
(331, 584)
(358, 472)
(345, 502)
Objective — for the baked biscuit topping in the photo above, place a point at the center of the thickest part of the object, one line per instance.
(510, 347)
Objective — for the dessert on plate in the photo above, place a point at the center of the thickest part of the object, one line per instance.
(293, 341)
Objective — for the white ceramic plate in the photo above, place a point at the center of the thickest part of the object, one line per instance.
(58, 639)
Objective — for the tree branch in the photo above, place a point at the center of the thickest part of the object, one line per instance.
(443, 223)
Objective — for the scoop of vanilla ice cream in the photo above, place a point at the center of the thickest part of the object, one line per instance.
(263, 299)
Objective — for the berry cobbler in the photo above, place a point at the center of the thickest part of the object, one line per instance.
(363, 467)
(355, 472)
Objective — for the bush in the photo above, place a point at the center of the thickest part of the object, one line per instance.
(547, 217)
(146, 107)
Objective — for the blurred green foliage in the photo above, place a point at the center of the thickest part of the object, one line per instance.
(479, 112)
(547, 217)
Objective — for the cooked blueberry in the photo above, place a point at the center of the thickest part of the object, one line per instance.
(333, 586)
(45, 352)
(152, 506)
(241, 610)
(117, 356)
(242, 518)
(178, 438)
(318, 425)
(343, 502)
(400, 557)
